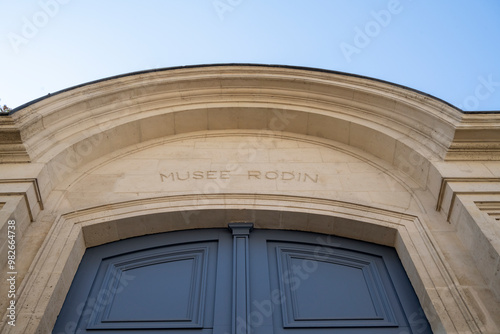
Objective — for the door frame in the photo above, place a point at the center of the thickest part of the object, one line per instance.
(58, 259)
(256, 264)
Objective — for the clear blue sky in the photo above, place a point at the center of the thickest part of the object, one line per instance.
(446, 48)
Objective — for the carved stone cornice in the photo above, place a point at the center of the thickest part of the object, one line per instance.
(477, 137)
(12, 148)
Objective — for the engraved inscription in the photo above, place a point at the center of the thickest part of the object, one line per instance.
(285, 176)
(196, 175)
(291, 176)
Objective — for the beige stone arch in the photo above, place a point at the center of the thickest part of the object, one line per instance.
(406, 135)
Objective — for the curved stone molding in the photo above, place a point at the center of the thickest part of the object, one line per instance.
(365, 113)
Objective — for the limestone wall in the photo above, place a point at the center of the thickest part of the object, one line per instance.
(285, 148)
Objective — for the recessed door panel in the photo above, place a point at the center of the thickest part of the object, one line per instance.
(165, 288)
(324, 284)
(155, 283)
(331, 290)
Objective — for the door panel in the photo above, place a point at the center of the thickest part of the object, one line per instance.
(324, 284)
(157, 283)
(258, 282)
(330, 290)
(167, 287)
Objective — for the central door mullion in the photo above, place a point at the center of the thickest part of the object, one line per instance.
(241, 284)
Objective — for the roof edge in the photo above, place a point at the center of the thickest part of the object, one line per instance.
(313, 69)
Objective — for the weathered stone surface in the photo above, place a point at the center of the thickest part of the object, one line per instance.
(285, 148)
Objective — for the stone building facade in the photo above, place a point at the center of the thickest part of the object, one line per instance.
(284, 148)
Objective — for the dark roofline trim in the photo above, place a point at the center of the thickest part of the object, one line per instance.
(312, 69)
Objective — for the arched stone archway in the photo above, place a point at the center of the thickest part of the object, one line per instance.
(76, 231)
(286, 148)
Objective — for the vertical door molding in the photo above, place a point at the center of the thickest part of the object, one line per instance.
(241, 280)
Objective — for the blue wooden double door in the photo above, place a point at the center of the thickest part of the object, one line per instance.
(241, 281)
